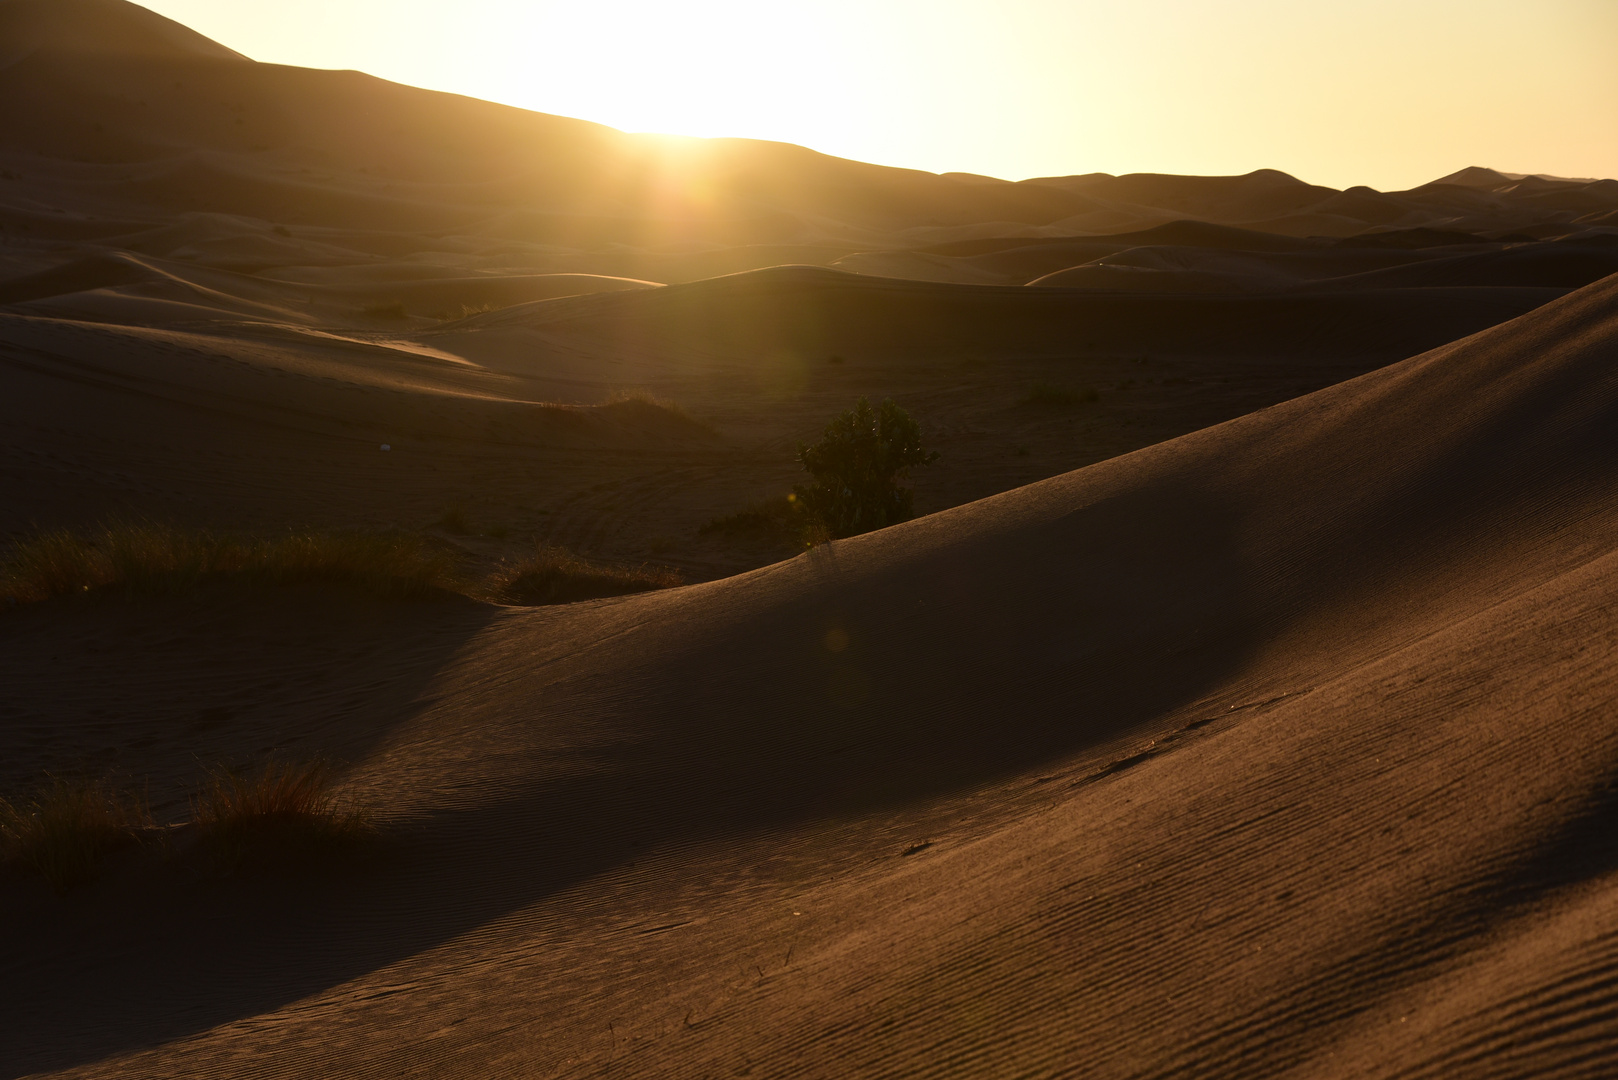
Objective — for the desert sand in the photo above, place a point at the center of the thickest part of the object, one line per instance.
(1254, 718)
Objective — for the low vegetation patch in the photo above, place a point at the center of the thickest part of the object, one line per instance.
(285, 813)
(760, 518)
(455, 520)
(632, 400)
(466, 311)
(392, 309)
(771, 520)
(554, 575)
(150, 559)
(62, 831)
(285, 810)
(1043, 393)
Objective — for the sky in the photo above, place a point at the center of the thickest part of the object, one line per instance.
(1389, 93)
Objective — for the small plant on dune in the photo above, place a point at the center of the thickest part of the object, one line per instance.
(286, 810)
(857, 468)
(753, 521)
(382, 563)
(144, 558)
(466, 311)
(62, 831)
(775, 519)
(642, 399)
(455, 520)
(1043, 393)
(554, 575)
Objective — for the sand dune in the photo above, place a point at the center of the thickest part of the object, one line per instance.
(1280, 737)
(1239, 704)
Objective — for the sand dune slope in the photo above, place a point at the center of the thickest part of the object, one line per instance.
(1284, 748)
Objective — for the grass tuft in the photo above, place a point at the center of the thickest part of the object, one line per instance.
(641, 400)
(286, 809)
(62, 832)
(159, 560)
(779, 520)
(455, 520)
(465, 311)
(1043, 393)
(554, 575)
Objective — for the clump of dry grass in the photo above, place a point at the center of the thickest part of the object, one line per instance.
(152, 559)
(646, 398)
(285, 809)
(466, 311)
(554, 575)
(62, 831)
(391, 309)
(779, 520)
(642, 399)
(455, 519)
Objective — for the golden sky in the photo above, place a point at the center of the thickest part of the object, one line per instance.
(1388, 93)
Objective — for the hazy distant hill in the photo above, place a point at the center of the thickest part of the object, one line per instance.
(118, 117)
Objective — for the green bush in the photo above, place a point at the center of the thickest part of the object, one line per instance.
(856, 469)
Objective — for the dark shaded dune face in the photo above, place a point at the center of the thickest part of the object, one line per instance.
(1566, 264)
(813, 312)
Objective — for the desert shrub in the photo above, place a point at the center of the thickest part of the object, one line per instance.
(554, 575)
(284, 810)
(1043, 393)
(857, 467)
(144, 558)
(62, 831)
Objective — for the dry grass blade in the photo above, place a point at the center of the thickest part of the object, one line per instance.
(384, 563)
(62, 832)
(144, 558)
(556, 576)
(51, 564)
(285, 809)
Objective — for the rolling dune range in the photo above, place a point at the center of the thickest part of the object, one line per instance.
(354, 263)
(1255, 719)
